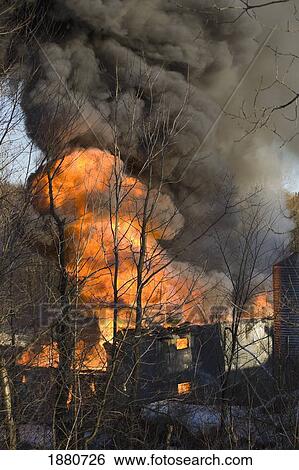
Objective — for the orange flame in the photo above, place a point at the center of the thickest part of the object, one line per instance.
(262, 306)
(86, 358)
(111, 218)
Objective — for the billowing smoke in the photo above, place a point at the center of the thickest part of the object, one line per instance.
(143, 80)
(128, 67)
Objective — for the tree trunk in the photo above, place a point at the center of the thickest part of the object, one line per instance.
(8, 407)
(64, 336)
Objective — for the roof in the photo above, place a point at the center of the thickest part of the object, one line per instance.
(291, 261)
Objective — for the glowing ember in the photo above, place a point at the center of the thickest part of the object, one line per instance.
(69, 398)
(182, 343)
(93, 388)
(184, 388)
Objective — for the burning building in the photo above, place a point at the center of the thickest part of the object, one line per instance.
(160, 363)
(111, 225)
(172, 362)
(120, 101)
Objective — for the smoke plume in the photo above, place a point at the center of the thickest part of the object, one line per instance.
(144, 80)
